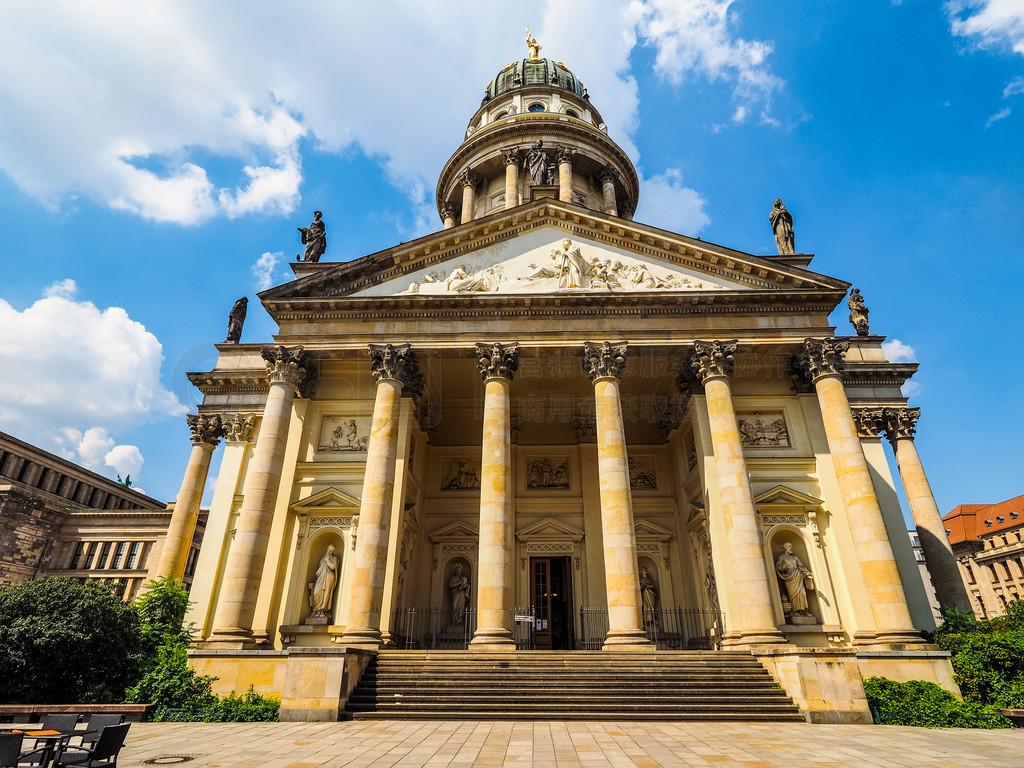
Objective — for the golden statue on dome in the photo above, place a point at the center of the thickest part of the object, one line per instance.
(533, 45)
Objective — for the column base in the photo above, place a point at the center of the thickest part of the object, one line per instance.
(492, 640)
(230, 638)
(753, 637)
(628, 640)
(907, 639)
(369, 639)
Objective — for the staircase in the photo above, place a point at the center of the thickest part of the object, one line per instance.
(578, 685)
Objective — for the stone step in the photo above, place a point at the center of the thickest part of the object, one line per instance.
(569, 686)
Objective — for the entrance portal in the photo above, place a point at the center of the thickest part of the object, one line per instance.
(551, 593)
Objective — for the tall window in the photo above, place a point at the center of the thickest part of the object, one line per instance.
(90, 552)
(133, 552)
(118, 554)
(76, 559)
(101, 561)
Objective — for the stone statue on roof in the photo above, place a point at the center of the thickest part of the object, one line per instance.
(782, 226)
(314, 237)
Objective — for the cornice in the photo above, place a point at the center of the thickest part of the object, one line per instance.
(702, 257)
(232, 381)
(872, 374)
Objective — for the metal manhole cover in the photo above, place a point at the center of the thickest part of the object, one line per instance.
(169, 759)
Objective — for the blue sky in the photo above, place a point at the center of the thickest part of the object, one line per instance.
(155, 159)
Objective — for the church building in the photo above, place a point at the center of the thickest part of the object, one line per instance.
(549, 427)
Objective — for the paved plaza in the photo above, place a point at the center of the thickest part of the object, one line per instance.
(619, 744)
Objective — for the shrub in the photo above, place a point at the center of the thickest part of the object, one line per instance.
(926, 705)
(250, 707)
(172, 683)
(65, 641)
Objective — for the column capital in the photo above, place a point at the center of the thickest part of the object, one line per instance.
(607, 174)
(239, 428)
(712, 359)
(288, 365)
(469, 178)
(627, 209)
(398, 362)
(511, 156)
(901, 423)
(822, 357)
(497, 361)
(205, 428)
(565, 154)
(870, 422)
(449, 211)
(604, 360)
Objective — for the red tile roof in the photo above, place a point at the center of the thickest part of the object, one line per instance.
(970, 522)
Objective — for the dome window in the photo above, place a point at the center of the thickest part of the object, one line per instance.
(501, 115)
(571, 113)
(536, 107)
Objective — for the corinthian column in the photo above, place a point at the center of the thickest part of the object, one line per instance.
(607, 179)
(448, 214)
(565, 156)
(287, 368)
(206, 434)
(754, 622)
(497, 364)
(510, 157)
(396, 370)
(469, 181)
(900, 426)
(604, 363)
(822, 362)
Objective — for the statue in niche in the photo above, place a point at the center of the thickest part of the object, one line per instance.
(458, 588)
(236, 319)
(858, 312)
(798, 580)
(322, 591)
(648, 591)
(314, 237)
(782, 226)
(571, 265)
(536, 163)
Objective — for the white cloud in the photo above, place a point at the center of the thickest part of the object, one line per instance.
(182, 110)
(74, 373)
(263, 269)
(1002, 114)
(666, 203)
(1014, 88)
(911, 389)
(988, 23)
(897, 352)
(696, 37)
(95, 449)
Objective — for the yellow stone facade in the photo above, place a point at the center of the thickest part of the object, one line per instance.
(551, 426)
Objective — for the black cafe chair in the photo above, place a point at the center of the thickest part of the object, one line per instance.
(103, 754)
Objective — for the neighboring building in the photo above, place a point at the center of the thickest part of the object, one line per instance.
(988, 541)
(922, 565)
(570, 428)
(57, 518)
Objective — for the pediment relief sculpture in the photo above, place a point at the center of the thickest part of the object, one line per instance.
(569, 266)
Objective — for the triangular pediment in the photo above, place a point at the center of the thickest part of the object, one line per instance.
(522, 252)
(331, 498)
(782, 495)
(550, 529)
(456, 530)
(647, 530)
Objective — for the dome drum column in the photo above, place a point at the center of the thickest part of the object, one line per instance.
(565, 156)
(469, 181)
(448, 214)
(510, 157)
(606, 179)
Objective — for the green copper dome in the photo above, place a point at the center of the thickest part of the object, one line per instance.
(526, 72)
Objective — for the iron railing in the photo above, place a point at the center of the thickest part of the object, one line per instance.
(670, 629)
(438, 629)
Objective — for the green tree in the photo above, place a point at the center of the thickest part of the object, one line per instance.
(64, 641)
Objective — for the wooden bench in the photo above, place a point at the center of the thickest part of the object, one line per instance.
(1016, 715)
(32, 713)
